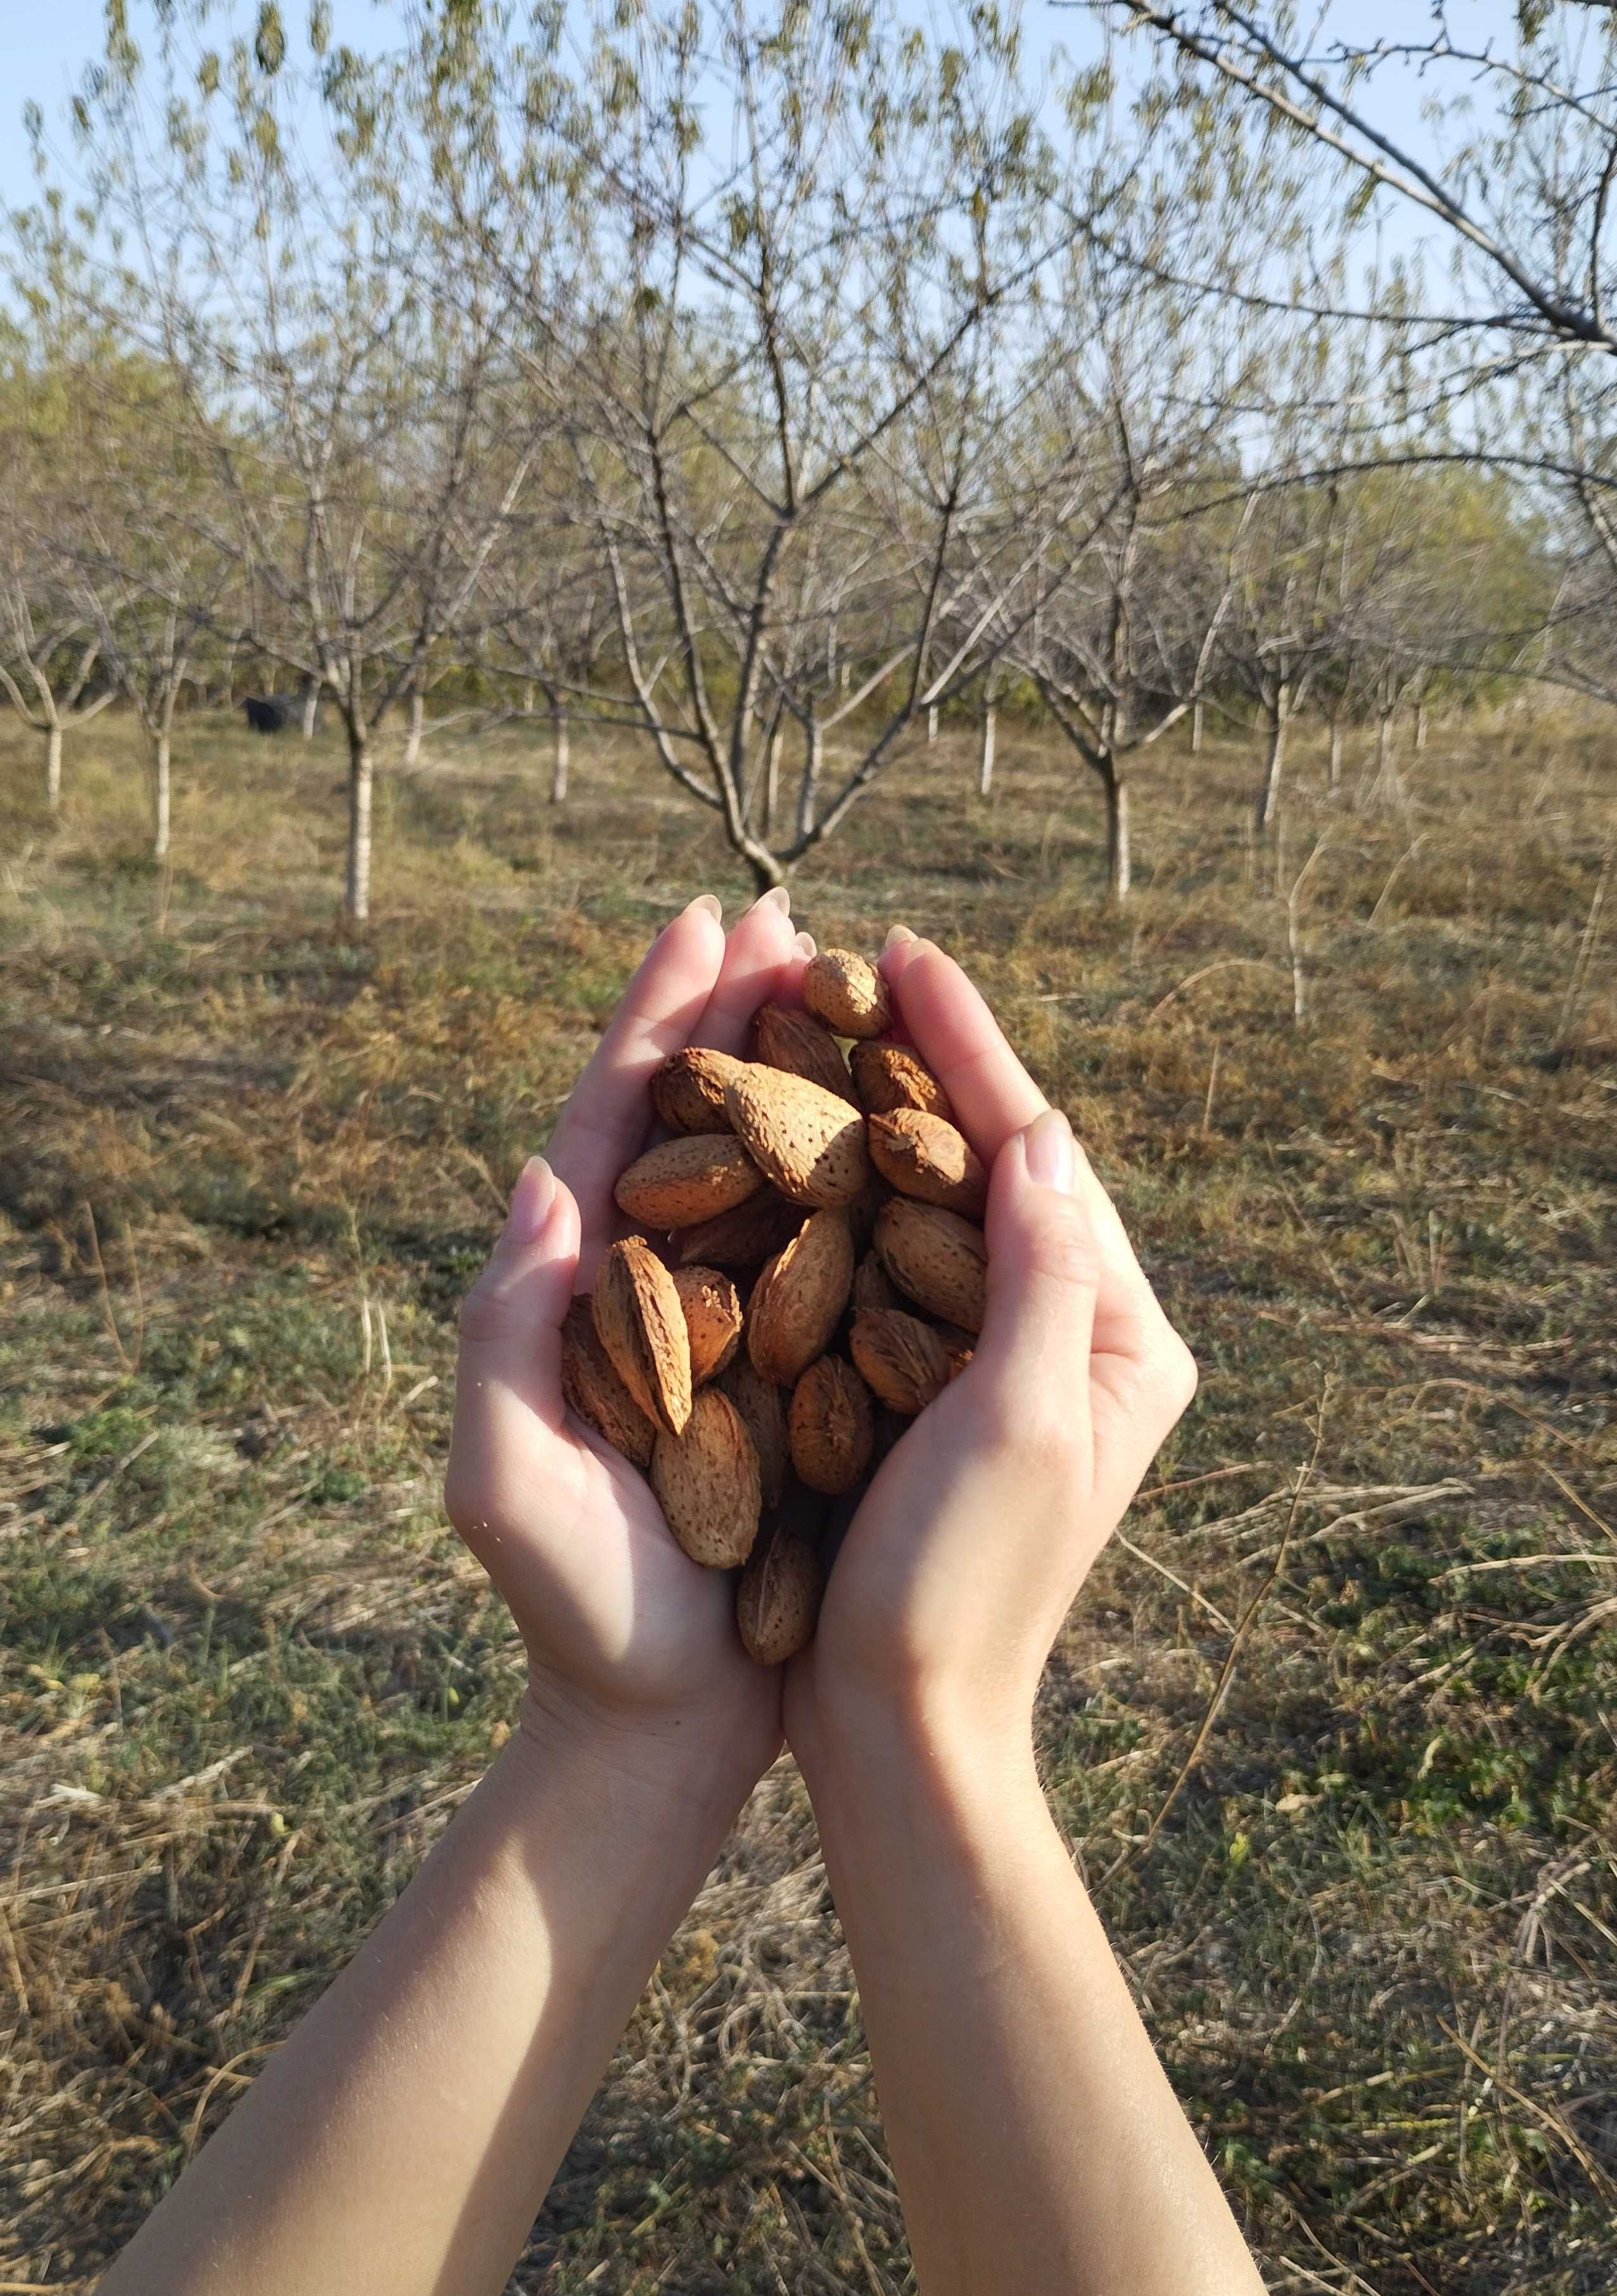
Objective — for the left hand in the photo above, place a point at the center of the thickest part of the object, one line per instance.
(622, 1629)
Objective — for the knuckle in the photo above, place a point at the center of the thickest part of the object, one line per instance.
(1176, 1374)
(1066, 1255)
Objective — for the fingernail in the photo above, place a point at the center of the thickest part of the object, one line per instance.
(896, 937)
(777, 897)
(711, 903)
(530, 1200)
(1049, 1148)
(807, 944)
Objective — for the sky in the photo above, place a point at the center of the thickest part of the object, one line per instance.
(45, 44)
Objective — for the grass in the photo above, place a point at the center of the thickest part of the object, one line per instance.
(1370, 1909)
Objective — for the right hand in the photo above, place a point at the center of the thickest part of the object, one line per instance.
(983, 1520)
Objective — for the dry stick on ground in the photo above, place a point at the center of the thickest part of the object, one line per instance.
(1555, 2122)
(1139, 1847)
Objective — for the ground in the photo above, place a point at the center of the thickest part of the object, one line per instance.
(1367, 1900)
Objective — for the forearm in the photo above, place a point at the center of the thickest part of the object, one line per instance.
(402, 2140)
(1034, 2135)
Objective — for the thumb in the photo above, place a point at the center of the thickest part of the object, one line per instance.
(1044, 1272)
(510, 1320)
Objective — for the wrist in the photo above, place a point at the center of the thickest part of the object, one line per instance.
(704, 1759)
(933, 1751)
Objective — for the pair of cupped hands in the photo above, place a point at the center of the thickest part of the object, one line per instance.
(971, 1542)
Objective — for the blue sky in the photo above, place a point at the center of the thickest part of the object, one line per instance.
(47, 42)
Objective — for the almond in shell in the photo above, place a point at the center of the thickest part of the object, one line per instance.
(787, 1038)
(777, 1600)
(688, 1091)
(939, 1260)
(641, 1326)
(797, 1301)
(762, 1407)
(712, 1319)
(746, 1237)
(807, 1141)
(592, 1386)
(832, 1426)
(687, 1179)
(924, 1156)
(886, 1076)
(706, 1483)
(873, 1287)
(847, 993)
(902, 1360)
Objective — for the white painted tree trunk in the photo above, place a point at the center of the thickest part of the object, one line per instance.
(932, 725)
(559, 758)
(1196, 729)
(1119, 871)
(1274, 761)
(53, 767)
(771, 781)
(311, 703)
(808, 794)
(985, 768)
(412, 732)
(358, 900)
(1420, 724)
(1333, 772)
(159, 796)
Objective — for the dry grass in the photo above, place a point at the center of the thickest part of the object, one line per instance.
(247, 1673)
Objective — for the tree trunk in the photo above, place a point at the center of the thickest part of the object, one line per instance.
(1120, 871)
(412, 732)
(985, 770)
(311, 704)
(932, 725)
(1268, 789)
(358, 899)
(1420, 724)
(559, 759)
(1197, 709)
(771, 783)
(1333, 772)
(53, 767)
(1384, 741)
(159, 795)
(808, 794)
(527, 698)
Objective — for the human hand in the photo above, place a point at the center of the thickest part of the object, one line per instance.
(966, 1552)
(620, 1627)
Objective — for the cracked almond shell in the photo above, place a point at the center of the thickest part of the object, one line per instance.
(807, 1141)
(706, 1483)
(641, 1326)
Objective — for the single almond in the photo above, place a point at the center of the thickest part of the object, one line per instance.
(687, 1179)
(787, 1038)
(762, 1407)
(797, 1301)
(592, 1386)
(902, 1360)
(806, 1140)
(847, 993)
(746, 1237)
(688, 1091)
(958, 1346)
(935, 1256)
(831, 1425)
(706, 1483)
(924, 1156)
(712, 1319)
(778, 1601)
(873, 1287)
(641, 1326)
(886, 1076)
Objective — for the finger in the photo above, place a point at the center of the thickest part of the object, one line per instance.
(1044, 1276)
(757, 957)
(605, 1121)
(963, 1044)
(507, 1376)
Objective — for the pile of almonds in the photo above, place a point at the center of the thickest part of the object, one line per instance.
(817, 1278)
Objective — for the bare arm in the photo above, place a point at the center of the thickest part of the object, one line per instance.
(1037, 2142)
(400, 2144)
